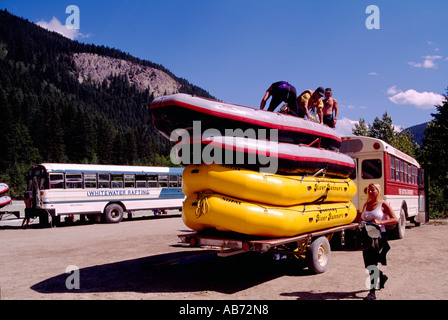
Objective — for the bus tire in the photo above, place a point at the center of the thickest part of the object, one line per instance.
(401, 225)
(113, 213)
(318, 255)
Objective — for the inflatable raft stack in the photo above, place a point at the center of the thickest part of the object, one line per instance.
(5, 199)
(246, 199)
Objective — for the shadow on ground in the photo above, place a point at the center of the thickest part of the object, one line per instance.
(182, 271)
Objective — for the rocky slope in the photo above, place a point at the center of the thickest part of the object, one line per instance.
(98, 68)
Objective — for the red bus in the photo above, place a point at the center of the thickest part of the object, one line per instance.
(401, 179)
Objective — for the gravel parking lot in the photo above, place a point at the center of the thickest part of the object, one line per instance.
(143, 259)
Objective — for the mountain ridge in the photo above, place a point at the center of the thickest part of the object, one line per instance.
(65, 101)
(418, 132)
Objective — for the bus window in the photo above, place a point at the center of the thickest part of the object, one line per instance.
(117, 181)
(129, 181)
(402, 172)
(103, 180)
(392, 167)
(397, 169)
(371, 169)
(415, 175)
(406, 173)
(56, 181)
(73, 181)
(152, 181)
(140, 181)
(90, 180)
(163, 181)
(173, 181)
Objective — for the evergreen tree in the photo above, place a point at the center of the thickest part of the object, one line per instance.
(382, 129)
(361, 128)
(434, 157)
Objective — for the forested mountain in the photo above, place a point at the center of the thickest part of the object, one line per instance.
(54, 106)
(418, 132)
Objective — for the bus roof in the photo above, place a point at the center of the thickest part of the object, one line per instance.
(95, 168)
(352, 145)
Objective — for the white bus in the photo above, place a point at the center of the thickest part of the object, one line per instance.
(401, 179)
(100, 191)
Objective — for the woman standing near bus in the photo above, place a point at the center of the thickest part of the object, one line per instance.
(381, 213)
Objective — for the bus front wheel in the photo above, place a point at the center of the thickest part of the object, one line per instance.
(113, 213)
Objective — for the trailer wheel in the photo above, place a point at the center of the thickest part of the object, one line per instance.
(113, 213)
(318, 255)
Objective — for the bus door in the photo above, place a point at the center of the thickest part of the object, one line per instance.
(36, 181)
(370, 170)
(354, 177)
(423, 212)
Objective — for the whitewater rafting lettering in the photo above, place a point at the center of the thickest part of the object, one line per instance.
(99, 193)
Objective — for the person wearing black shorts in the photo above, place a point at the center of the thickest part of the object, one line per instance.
(281, 91)
(330, 108)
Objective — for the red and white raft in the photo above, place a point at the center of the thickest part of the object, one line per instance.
(269, 156)
(180, 111)
(4, 197)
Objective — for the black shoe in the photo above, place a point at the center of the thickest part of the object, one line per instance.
(370, 296)
(383, 280)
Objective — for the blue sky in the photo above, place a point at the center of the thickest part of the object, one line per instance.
(236, 48)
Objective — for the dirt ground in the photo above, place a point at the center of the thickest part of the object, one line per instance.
(143, 259)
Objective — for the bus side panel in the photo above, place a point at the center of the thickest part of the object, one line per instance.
(398, 194)
(83, 201)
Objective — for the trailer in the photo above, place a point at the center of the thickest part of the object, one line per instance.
(313, 248)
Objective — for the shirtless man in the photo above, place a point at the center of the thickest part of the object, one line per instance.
(330, 106)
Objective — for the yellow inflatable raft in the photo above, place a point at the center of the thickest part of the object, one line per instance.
(273, 189)
(210, 210)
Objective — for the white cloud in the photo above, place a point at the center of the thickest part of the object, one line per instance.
(373, 74)
(344, 126)
(351, 107)
(57, 26)
(397, 128)
(392, 90)
(421, 100)
(428, 62)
